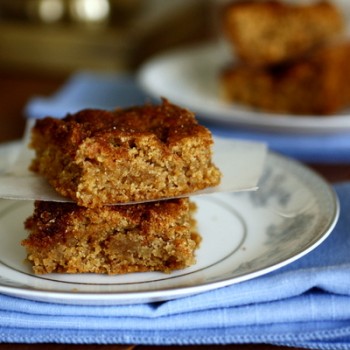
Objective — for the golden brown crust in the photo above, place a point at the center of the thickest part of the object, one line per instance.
(167, 122)
(269, 32)
(316, 84)
(142, 153)
(157, 236)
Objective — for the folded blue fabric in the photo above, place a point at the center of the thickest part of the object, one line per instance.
(102, 90)
(304, 304)
(87, 90)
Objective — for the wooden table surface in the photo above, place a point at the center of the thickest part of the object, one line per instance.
(15, 90)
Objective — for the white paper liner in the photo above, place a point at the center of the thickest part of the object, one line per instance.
(240, 162)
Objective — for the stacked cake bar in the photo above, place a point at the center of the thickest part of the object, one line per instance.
(315, 85)
(291, 58)
(264, 33)
(123, 173)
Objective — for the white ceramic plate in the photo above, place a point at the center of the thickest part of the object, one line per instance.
(245, 235)
(189, 77)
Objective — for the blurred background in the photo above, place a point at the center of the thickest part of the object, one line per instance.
(63, 35)
(43, 41)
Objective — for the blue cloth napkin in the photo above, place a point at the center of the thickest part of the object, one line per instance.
(102, 90)
(304, 304)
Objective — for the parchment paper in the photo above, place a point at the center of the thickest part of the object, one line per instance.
(240, 162)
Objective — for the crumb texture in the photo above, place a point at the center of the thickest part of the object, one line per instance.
(97, 157)
(156, 236)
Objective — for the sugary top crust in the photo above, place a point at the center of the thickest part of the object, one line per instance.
(61, 214)
(54, 220)
(167, 121)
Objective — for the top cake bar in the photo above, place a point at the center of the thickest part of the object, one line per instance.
(143, 153)
(263, 33)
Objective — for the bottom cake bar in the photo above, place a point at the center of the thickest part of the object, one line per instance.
(313, 85)
(154, 236)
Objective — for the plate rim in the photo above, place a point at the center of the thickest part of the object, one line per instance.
(228, 114)
(133, 297)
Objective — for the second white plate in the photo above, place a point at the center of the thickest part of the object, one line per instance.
(189, 77)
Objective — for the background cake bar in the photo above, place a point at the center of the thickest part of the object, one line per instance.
(317, 84)
(268, 32)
